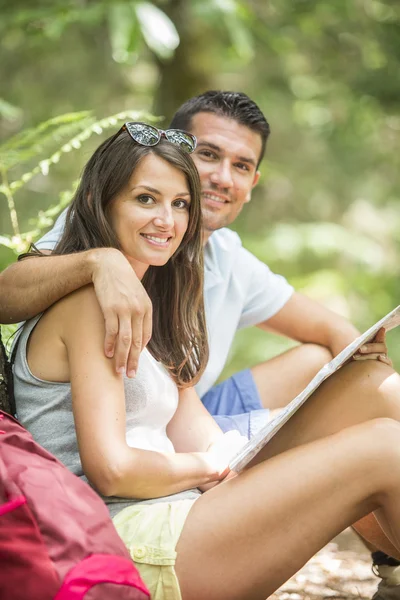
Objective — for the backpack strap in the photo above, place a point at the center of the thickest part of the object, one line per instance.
(7, 400)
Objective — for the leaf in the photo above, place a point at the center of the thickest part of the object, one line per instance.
(6, 240)
(158, 30)
(7, 332)
(27, 136)
(8, 111)
(124, 31)
(235, 20)
(52, 20)
(10, 158)
(47, 217)
(241, 38)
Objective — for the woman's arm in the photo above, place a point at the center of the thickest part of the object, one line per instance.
(192, 429)
(99, 412)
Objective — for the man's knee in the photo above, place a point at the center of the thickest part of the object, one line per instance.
(315, 356)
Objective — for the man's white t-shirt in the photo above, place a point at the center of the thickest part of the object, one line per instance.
(239, 291)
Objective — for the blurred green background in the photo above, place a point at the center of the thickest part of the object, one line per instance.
(326, 74)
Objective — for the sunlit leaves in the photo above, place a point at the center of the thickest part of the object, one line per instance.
(8, 111)
(130, 24)
(232, 17)
(124, 30)
(29, 143)
(50, 21)
(158, 30)
(32, 142)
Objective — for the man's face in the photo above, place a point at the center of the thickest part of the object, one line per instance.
(226, 157)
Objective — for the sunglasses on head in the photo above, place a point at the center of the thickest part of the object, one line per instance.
(148, 135)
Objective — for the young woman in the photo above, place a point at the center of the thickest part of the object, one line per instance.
(148, 445)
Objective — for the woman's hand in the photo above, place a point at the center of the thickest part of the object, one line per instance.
(220, 454)
(375, 350)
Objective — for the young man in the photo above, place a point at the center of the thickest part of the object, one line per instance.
(240, 290)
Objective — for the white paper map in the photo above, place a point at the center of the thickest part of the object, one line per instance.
(262, 437)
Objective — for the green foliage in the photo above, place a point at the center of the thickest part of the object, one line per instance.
(71, 130)
(30, 143)
(7, 333)
(130, 23)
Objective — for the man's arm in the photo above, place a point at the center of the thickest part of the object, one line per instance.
(305, 320)
(32, 285)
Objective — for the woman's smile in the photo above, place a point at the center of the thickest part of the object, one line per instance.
(151, 215)
(159, 240)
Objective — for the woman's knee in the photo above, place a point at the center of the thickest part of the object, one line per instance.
(369, 371)
(371, 377)
(383, 437)
(371, 450)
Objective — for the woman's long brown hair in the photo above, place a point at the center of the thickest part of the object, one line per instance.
(179, 338)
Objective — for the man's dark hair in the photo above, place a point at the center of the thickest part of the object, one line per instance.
(233, 105)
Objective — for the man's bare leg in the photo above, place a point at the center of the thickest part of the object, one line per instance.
(281, 378)
(370, 534)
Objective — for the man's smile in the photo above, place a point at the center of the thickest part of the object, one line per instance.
(212, 197)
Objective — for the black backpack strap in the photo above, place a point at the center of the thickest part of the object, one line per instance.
(7, 399)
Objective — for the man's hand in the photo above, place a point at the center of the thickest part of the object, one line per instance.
(375, 350)
(126, 307)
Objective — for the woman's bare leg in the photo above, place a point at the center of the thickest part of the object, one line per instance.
(247, 536)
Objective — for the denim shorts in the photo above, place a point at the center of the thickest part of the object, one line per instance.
(235, 404)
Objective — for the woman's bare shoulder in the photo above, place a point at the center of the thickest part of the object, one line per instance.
(77, 310)
(67, 319)
(82, 299)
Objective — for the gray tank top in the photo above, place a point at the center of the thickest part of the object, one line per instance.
(45, 409)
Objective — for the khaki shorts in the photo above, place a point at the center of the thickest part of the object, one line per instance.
(151, 532)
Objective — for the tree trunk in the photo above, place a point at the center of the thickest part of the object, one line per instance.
(184, 75)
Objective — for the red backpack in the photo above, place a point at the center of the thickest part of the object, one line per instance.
(57, 541)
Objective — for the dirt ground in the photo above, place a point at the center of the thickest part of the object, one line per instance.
(340, 570)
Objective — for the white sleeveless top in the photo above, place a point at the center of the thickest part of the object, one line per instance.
(151, 399)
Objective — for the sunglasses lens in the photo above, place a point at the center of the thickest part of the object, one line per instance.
(181, 138)
(143, 134)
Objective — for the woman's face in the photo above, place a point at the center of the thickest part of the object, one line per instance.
(151, 214)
